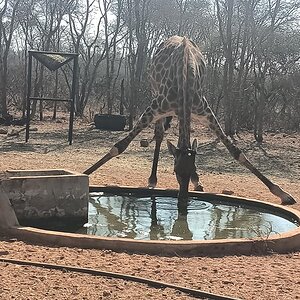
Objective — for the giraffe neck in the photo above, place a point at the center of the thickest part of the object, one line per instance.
(184, 133)
(185, 94)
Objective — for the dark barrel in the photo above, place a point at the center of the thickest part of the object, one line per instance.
(110, 122)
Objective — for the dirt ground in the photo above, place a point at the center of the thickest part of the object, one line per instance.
(245, 277)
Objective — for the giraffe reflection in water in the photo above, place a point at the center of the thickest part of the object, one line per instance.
(159, 218)
(126, 218)
(180, 228)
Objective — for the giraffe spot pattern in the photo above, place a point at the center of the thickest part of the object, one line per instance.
(154, 104)
(165, 105)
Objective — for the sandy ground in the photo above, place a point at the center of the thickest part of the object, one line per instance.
(245, 277)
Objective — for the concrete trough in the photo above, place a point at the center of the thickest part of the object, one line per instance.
(46, 194)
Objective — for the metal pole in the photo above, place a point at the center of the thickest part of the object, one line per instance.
(73, 97)
(28, 96)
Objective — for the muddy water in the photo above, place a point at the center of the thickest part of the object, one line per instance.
(157, 218)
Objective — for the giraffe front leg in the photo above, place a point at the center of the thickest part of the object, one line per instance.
(158, 137)
(276, 190)
(117, 149)
(160, 127)
(143, 122)
(286, 198)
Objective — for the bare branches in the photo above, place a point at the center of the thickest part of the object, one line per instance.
(252, 49)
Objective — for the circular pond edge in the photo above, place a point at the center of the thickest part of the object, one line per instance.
(276, 243)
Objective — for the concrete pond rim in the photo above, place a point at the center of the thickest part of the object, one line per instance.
(276, 243)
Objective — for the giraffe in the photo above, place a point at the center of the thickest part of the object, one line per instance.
(177, 74)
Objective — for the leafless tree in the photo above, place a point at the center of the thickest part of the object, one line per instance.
(8, 10)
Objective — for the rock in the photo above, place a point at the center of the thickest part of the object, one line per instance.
(106, 293)
(227, 192)
(15, 132)
(3, 131)
(144, 143)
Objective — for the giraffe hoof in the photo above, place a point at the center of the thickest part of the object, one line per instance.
(288, 200)
(199, 188)
(152, 183)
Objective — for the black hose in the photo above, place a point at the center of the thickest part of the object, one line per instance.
(153, 283)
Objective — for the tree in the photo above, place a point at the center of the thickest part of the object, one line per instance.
(8, 11)
(47, 16)
(268, 20)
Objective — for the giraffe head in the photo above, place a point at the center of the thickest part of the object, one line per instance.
(184, 166)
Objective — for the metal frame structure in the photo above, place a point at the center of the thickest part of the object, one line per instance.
(71, 100)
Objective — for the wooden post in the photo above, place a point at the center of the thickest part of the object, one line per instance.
(122, 98)
(73, 98)
(28, 96)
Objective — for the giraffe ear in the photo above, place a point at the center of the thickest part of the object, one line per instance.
(195, 145)
(171, 148)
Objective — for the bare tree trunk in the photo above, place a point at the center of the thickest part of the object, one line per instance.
(243, 67)
(37, 88)
(7, 25)
(262, 66)
(107, 50)
(226, 37)
(91, 56)
(55, 92)
(136, 59)
(122, 98)
(131, 66)
(259, 116)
